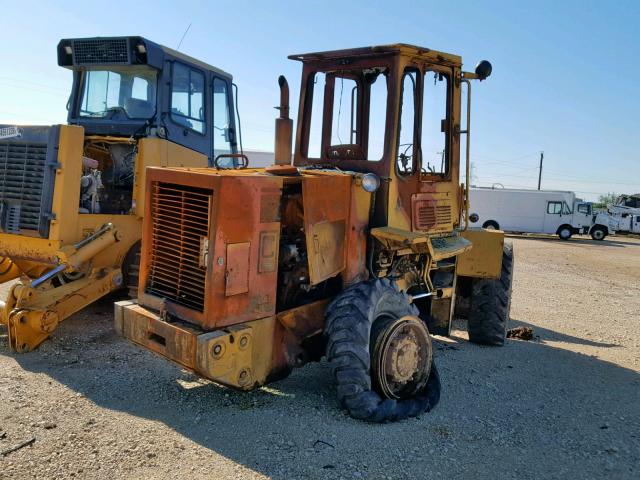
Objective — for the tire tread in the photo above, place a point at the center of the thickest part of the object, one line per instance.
(349, 318)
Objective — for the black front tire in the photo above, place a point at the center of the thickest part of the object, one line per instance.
(491, 303)
(565, 232)
(349, 322)
(598, 233)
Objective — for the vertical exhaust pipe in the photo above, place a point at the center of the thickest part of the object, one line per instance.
(284, 126)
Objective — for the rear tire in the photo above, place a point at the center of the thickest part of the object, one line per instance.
(491, 303)
(598, 233)
(359, 321)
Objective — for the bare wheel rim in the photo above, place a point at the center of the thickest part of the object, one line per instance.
(402, 357)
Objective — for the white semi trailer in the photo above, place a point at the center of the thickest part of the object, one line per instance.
(531, 211)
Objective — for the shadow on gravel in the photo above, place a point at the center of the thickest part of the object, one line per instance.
(531, 409)
(583, 240)
(542, 334)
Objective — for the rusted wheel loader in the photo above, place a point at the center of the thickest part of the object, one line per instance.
(72, 196)
(356, 250)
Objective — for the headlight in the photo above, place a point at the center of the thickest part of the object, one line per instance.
(370, 182)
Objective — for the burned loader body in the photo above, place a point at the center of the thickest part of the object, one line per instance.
(72, 196)
(353, 252)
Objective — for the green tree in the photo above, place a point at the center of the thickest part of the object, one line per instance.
(604, 200)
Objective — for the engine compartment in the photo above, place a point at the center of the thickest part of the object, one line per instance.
(294, 285)
(107, 181)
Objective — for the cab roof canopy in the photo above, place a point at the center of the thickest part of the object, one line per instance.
(381, 50)
(84, 53)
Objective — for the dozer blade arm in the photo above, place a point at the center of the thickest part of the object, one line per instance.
(39, 311)
(32, 310)
(8, 270)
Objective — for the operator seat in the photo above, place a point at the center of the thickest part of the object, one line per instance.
(137, 108)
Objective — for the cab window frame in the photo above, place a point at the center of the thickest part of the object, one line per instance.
(586, 207)
(205, 99)
(555, 203)
(417, 97)
(361, 106)
(423, 70)
(229, 113)
(333, 78)
(448, 74)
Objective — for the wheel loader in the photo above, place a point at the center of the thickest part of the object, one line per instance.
(72, 196)
(355, 246)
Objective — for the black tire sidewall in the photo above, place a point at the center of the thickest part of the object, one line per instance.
(567, 236)
(490, 304)
(350, 318)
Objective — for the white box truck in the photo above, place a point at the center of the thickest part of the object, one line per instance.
(530, 211)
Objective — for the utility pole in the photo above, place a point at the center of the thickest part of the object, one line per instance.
(540, 172)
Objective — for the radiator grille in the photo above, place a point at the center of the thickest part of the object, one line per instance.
(22, 174)
(180, 218)
(100, 51)
(429, 213)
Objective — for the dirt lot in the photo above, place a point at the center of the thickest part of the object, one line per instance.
(565, 405)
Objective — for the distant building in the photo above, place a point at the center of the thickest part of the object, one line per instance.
(259, 158)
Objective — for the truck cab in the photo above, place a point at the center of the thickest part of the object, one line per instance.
(583, 215)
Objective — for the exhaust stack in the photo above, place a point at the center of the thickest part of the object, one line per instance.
(284, 126)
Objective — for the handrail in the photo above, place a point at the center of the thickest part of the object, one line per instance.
(245, 159)
(467, 132)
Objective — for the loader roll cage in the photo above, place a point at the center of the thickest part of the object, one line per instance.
(387, 122)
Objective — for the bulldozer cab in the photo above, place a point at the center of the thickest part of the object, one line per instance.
(130, 86)
(393, 111)
(72, 196)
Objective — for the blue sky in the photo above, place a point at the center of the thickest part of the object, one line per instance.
(565, 77)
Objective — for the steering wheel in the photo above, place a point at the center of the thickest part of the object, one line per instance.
(404, 163)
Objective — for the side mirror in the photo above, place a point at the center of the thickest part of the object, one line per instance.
(483, 69)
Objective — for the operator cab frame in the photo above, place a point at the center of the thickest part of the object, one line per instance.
(133, 87)
(416, 175)
(366, 67)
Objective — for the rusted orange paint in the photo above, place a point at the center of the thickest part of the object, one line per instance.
(235, 219)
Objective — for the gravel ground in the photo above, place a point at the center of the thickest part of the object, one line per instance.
(565, 405)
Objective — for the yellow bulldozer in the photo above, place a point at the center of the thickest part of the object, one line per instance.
(355, 245)
(72, 196)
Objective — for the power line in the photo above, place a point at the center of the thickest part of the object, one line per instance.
(21, 82)
(512, 161)
(569, 179)
(33, 89)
